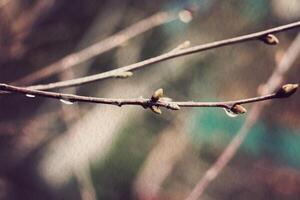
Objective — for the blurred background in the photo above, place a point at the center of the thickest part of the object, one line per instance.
(50, 150)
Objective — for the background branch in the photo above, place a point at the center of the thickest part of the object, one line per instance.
(273, 82)
(98, 48)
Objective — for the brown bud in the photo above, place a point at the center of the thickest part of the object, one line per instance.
(238, 109)
(124, 75)
(287, 90)
(156, 109)
(270, 39)
(157, 94)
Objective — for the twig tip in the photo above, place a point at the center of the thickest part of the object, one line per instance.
(157, 94)
(287, 90)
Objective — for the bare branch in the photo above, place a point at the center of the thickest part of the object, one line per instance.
(166, 56)
(273, 82)
(155, 101)
(98, 48)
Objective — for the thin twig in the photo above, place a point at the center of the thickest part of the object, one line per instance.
(4, 3)
(147, 103)
(172, 54)
(273, 82)
(98, 48)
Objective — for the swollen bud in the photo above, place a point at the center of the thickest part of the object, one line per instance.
(270, 39)
(238, 109)
(287, 90)
(157, 94)
(155, 109)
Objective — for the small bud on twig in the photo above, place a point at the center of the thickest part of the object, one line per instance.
(173, 106)
(156, 109)
(270, 39)
(181, 46)
(184, 45)
(238, 109)
(124, 75)
(287, 90)
(157, 94)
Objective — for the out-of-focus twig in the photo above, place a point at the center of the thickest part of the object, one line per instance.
(264, 36)
(4, 3)
(273, 82)
(18, 22)
(155, 101)
(87, 190)
(168, 149)
(98, 48)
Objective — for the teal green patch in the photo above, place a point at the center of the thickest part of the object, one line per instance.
(113, 177)
(212, 127)
(255, 10)
(285, 145)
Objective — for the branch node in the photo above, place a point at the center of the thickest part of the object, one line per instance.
(181, 46)
(286, 90)
(270, 39)
(125, 74)
(119, 103)
(157, 94)
(145, 106)
(185, 44)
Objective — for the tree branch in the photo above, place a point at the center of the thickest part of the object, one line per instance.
(157, 100)
(98, 48)
(262, 35)
(228, 153)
